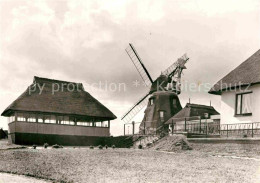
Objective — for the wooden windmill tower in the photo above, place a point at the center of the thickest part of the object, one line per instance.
(162, 99)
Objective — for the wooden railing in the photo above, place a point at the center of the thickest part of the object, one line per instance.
(224, 130)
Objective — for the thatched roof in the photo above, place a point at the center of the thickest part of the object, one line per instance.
(246, 73)
(62, 101)
(192, 112)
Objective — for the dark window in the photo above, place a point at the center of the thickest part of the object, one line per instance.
(243, 104)
(174, 103)
(151, 101)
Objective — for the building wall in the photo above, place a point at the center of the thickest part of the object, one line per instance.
(44, 128)
(228, 102)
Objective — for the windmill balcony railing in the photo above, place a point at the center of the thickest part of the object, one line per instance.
(224, 130)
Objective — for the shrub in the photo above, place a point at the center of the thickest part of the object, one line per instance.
(56, 146)
(45, 145)
(91, 147)
(186, 147)
(113, 146)
(106, 146)
(245, 135)
(149, 144)
(140, 146)
(34, 146)
(178, 143)
(100, 147)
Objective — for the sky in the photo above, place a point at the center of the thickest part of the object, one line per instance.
(84, 41)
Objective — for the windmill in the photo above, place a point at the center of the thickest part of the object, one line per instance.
(161, 99)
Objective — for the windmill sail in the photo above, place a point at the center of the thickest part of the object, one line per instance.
(175, 70)
(147, 79)
(179, 63)
(135, 109)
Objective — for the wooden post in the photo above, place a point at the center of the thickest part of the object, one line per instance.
(108, 123)
(133, 123)
(144, 127)
(227, 130)
(36, 118)
(172, 127)
(15, 116)
(93, 123)
(200, 124)
(75, 121)
(185, 127)
(252, 130)
(206, 128)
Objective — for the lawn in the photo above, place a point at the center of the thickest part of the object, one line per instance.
(130, 165)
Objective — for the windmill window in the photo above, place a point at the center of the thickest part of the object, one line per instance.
(174, 102)
(243, 104)
(161, 115)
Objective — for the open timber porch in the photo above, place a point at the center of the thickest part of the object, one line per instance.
(28, 128)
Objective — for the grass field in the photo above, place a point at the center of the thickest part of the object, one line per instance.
(129, 165)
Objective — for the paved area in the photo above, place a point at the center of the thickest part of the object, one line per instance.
(11, 178)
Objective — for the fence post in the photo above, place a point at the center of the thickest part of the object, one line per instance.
(144, 127)
(172, 127)
(227, 130)
(219, 128)
(252, 130)
(185, 125)
(206, 128)
(200, 124)
(133, 123)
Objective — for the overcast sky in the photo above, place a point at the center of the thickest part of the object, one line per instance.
(84, 41)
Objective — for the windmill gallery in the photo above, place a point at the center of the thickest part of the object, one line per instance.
(62, 112)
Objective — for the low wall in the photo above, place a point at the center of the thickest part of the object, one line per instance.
(69, 140)
(225, 140)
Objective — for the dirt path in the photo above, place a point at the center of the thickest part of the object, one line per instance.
(7, 178)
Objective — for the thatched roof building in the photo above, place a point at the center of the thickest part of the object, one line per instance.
(246, 73)
(192, 112)
(60, 97)
(240, 92)
(57, 112)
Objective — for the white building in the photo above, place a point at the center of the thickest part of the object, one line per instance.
(240, 92)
